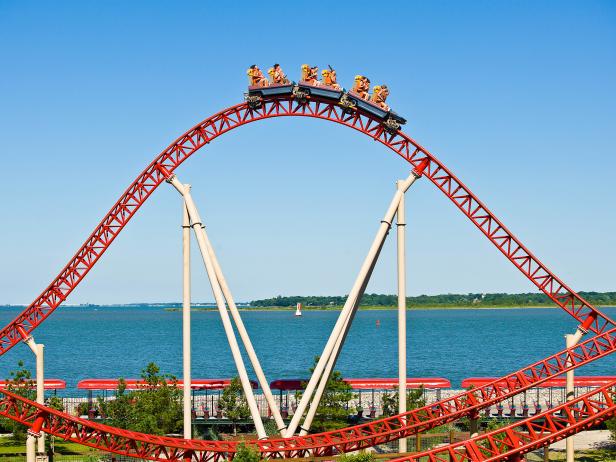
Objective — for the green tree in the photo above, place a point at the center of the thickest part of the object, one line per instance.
(414, 399)
(19, 382)
(246, 454)
(55, 402)
(119, 412)
(158, 408)
(233, 403)
(155, 408)
(332, 412)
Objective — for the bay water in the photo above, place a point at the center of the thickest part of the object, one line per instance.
(118, 341)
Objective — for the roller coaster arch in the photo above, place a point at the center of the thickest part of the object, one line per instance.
(197, 137)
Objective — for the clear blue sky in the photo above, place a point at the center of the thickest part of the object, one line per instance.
(517, 98)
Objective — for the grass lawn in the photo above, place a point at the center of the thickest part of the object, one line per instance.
(8, 446)
(589, 455)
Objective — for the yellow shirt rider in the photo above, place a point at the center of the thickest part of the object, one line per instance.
(310, 75)
(256, 77)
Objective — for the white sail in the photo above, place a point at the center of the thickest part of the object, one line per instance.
(298, 310)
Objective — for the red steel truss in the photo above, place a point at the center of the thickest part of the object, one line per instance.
(527, 435)
(159, 448)
(151, 447)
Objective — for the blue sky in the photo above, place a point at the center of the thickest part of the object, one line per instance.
(517, 98)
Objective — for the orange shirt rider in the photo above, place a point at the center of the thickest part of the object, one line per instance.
(329, 78)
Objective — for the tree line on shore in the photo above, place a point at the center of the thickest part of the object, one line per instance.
(443, 300)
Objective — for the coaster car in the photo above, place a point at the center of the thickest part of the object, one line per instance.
(322, 91)
(373, 109)
(271, 90)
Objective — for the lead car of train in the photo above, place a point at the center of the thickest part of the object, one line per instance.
(302, 91)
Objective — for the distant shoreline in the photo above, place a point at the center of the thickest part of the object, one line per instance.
(473, 301)
(245, 308)
(376, 308)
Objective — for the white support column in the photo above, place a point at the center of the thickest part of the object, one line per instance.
(349, 304)
(40, 389)
(570, 394)
(570, 341)
(39, 353)
(30, 448)
(220, 302)
(186, 320)
(402, 446)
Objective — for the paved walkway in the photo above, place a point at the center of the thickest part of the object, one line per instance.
(592, 439)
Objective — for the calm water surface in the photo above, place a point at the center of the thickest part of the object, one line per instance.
(84, 342)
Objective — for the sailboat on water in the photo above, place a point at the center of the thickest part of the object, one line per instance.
(298, 310)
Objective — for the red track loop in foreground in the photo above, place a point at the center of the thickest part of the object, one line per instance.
(527, 435)
(151, 447)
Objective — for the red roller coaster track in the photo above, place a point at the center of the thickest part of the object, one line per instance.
(522, 437)
(376, 432)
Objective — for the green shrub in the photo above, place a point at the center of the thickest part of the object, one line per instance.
(271, 429)
(332, 412)
(361, 456)
(155, 408)
(246, 454)
(414, 400)
(233, 403)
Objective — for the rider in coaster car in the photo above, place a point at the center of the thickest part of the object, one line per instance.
(379, 95)
(330, 79)
(361, 85)
(256, 77)
(310, 75)
(277, 75)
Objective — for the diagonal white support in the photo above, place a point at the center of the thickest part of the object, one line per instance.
(219, 297)
(331, 363)
(349, 305)
(242, 331)
(252, 355)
